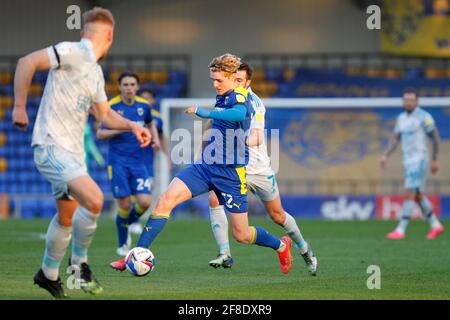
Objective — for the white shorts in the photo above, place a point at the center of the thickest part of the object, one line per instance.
(415, 173)
(59, 167)
(264, 187)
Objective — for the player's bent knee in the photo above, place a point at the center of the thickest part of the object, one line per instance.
(241, 237)
(213, 201)
(94, 205)
(65, 221)
(144, 204)
(125, 207)
(165, 203)
(278, 216)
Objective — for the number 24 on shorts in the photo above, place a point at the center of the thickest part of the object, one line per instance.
(147, 183)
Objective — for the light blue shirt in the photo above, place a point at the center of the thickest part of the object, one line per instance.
(413, 129)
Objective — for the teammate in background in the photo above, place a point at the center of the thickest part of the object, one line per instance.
(222, 168)
(261, 181)
(136, 227)
(75, 85)
(413, 128)
(149, 95)
(128, 164)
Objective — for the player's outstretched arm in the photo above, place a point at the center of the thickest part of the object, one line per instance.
(156, 144)
(105, 134)
(393, 143)
(113, 120)
(236, 113)
(26, 67)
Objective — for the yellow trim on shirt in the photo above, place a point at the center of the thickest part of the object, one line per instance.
(241, 173)
(142, 100)
(110, 172)
(242, 91)
(259, 117)
(156, 113)
(115, 100)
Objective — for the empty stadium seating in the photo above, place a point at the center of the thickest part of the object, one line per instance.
(349, 82)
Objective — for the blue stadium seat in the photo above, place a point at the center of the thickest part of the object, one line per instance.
(275, 75)
(40, 77)
(6, 90)
(29, 209)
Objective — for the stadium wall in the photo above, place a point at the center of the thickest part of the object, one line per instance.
(200, 28)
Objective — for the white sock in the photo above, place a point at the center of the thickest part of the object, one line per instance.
(56, 242)
(84, 226)
(292, 230)
(427, 211)
(219, 225)
(281, 247)
(405, 217)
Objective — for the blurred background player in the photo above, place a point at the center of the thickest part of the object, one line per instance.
(413, 128)
(130, 167)
(222, 169)
(75, 85)
(261, 181)
(136, 227)
(150, 96)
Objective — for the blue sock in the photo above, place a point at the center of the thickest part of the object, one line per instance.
(265, 239)
(133, 217)
(136, 212)
(152, 228)
(122, 229)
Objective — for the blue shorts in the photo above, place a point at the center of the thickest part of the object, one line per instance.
(228, 183)
(127, 180)
(415, 173)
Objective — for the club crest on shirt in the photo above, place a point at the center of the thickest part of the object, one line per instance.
(240, 98)
(226, 100)
(140, 111)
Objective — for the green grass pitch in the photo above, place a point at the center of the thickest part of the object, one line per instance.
(414, 268)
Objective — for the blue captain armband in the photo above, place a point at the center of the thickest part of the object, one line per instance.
(237, 113)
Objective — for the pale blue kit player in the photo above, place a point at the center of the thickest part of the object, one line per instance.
(414, 128)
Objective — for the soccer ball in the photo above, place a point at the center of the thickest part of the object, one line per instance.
(140, 261)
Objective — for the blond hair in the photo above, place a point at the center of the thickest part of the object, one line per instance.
(98, 14)
(228, 63)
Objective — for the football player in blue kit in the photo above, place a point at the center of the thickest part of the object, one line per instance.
(129, 168)
(135, 226)
(222, 166)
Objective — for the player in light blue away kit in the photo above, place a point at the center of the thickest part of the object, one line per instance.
(413, 128)
(262, 182)
(130, 167)
(75, 87)
(222, 167)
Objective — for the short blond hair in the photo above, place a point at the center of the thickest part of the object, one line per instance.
(228, 63)
(98, 14)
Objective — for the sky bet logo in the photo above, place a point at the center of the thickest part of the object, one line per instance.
(343, 208)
